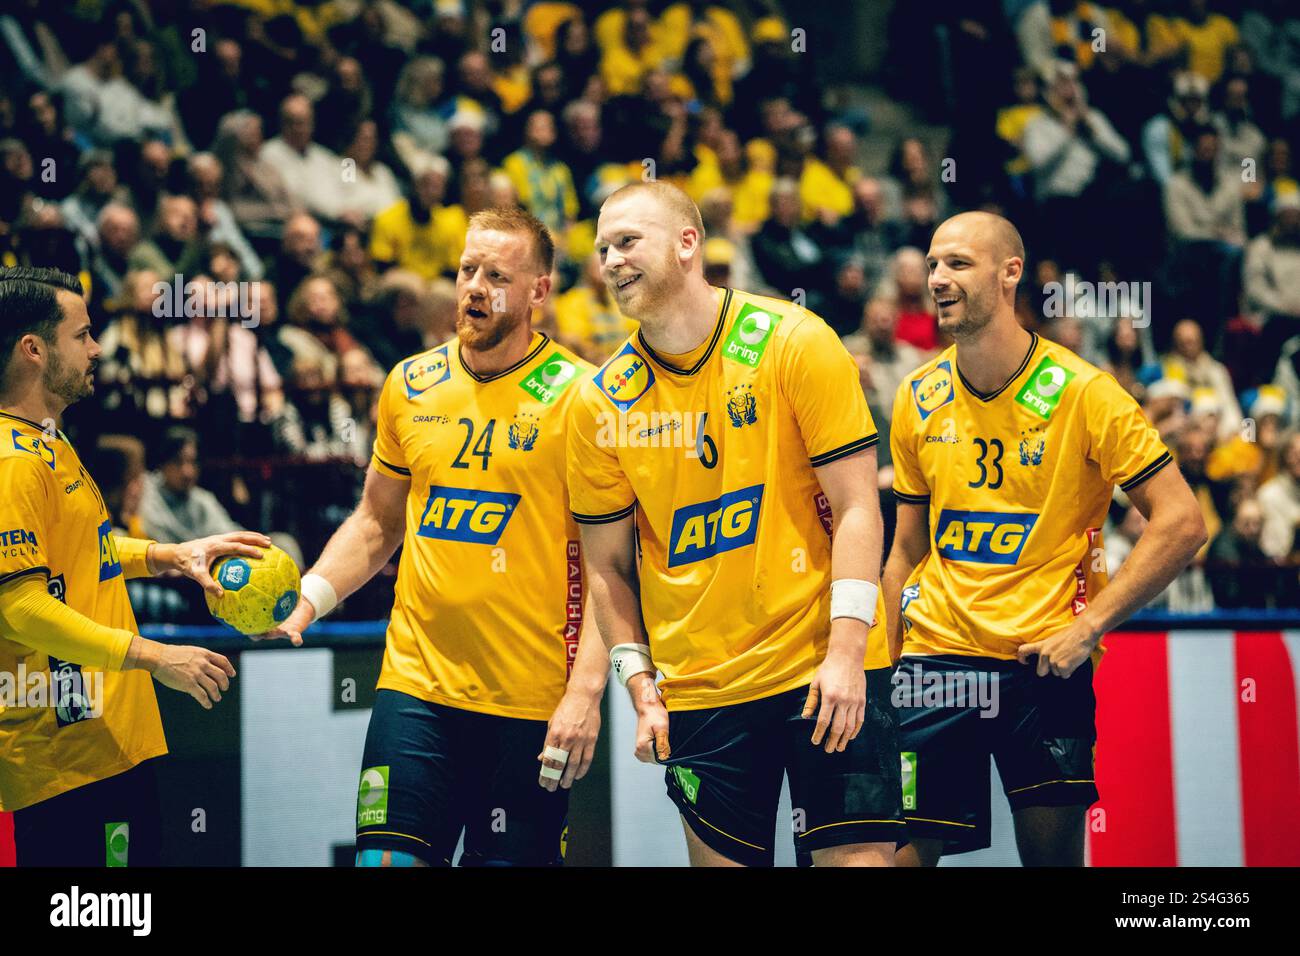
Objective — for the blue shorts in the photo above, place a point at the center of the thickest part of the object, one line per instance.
(955, 712)
(430, 772)
(727, 764)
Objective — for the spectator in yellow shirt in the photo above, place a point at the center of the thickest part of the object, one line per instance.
(543, 183)
(421, 234)
(730, 169)
(625, 63)
(1208, 37)
(588, 320)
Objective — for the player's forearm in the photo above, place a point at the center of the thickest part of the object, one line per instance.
(591, 665)
(898, 569)
(858, 539)
(356, 551)
(617, 608)
(1165, 548)
(31, 616)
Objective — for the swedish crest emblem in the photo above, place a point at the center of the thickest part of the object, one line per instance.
(742, 409)
(523, 432)
(1032, 447)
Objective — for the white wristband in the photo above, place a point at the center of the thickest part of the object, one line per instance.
(630, 659)
(851, 597)
(320, 593)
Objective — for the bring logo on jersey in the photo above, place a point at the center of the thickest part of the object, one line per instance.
(466, 514)
(702, 530)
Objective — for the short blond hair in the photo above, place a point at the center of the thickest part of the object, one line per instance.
(669, 196)
(515, 219)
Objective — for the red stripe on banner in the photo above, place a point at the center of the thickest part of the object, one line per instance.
(1135, 763)
(1269, 750)
(7, 853)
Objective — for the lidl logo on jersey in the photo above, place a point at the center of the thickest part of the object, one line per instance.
(372, 797)
(702, 530)
(1042, 393)
(425, 371)
(466, 514)
(982, 537)
(625, 377)
(933, 390)
(749, 335)
(34, 446)
(548, 380)
(110, 565)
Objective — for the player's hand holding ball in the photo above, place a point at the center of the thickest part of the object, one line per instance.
(194, 559)
(255, 595)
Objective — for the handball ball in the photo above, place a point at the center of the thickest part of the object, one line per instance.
(260, 592)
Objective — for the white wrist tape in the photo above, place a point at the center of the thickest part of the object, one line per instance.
(630, 659)
(320, 593)
(851, 597)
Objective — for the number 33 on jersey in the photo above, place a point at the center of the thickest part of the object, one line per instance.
(1017, 483)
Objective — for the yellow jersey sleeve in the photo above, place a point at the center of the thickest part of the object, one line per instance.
(909, 479)
(24, 502)
(132, 553)
(35, 618)
(821, 382)
(388, 458)
(1119, 438)
(599, 490)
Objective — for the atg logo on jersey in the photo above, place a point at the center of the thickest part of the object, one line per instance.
(422, 373)
(466, 514)
(625, 377)
(933, 390)
(110, 565)
(982, 537)
(702, 530)
(34, 446)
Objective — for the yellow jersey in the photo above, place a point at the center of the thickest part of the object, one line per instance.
(1017, 484)
(428, 249)
(489, 587)
(53, 523)
(714, 452)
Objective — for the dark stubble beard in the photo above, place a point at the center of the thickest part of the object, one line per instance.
(976, 316)
(66, 382)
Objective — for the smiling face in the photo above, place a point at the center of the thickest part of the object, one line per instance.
(644, 259)
(499, 283)
(974, 263)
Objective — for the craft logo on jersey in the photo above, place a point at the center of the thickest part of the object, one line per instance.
(110, 566)
(425, 371)
(982, 537)
(34, 446)
(933, 390)
(749, 335)
(466, 514)
(702, 530)
(1032, 446)
(742, 409)
(1042, 393)
(523, 431)
(625, 377)
(548, 380)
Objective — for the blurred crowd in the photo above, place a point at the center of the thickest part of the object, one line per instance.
(266, 202)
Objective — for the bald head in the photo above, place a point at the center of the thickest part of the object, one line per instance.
(990, 231)
(679, 208)
(976, 260)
